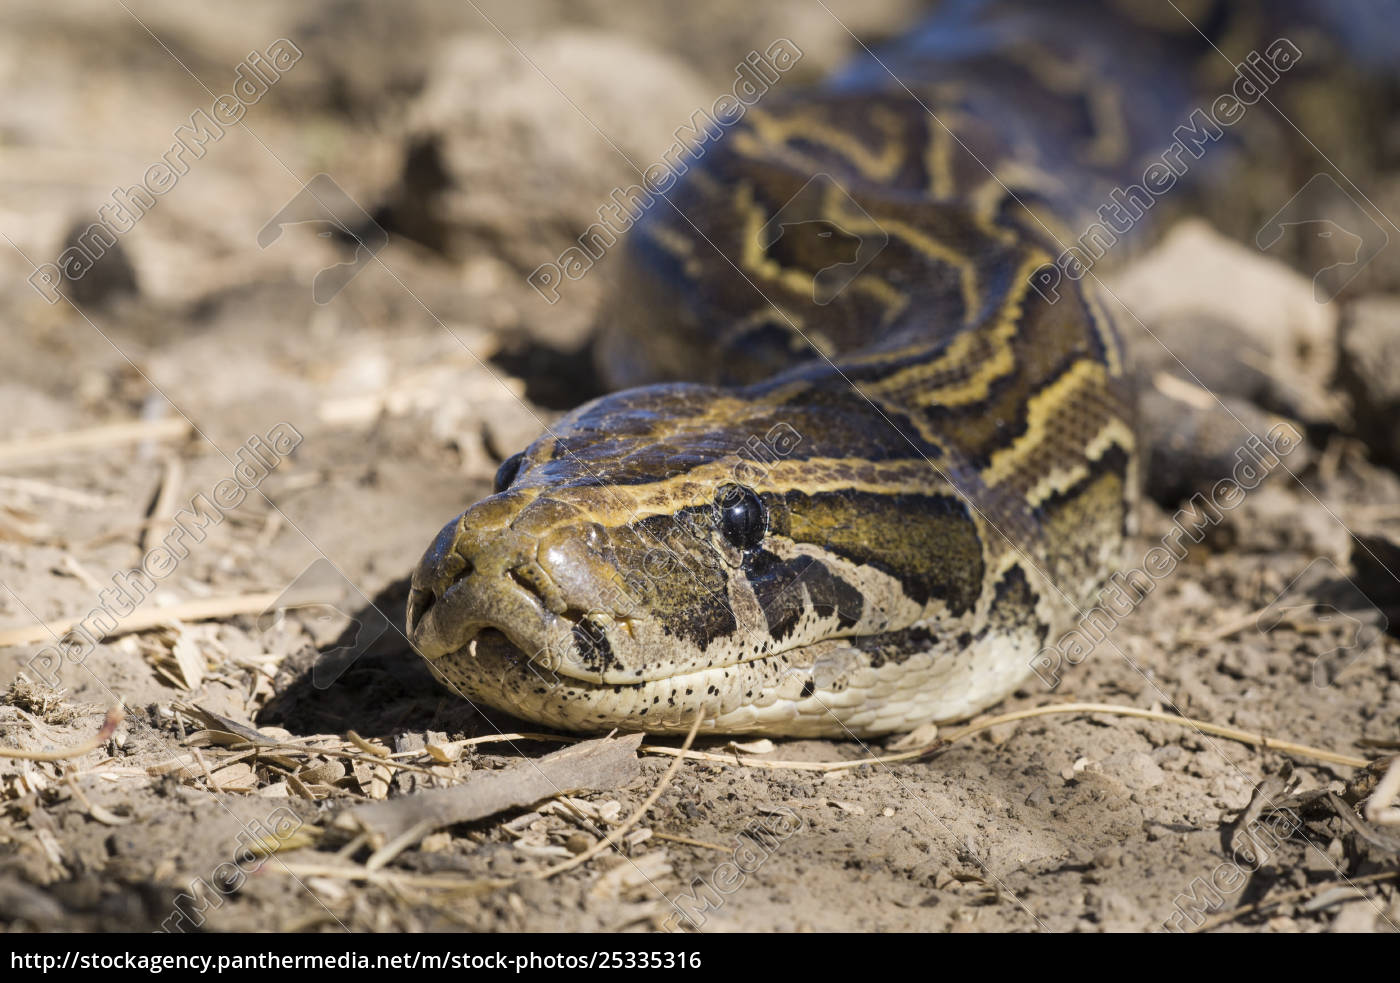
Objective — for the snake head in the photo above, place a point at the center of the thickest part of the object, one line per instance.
(681, 548)
(605, 555)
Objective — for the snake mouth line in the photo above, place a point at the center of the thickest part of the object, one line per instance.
(509, 657)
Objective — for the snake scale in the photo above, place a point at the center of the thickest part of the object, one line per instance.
(894, 468)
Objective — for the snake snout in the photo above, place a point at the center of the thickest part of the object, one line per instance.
(440, 568)
(420, 602)
(479, 573)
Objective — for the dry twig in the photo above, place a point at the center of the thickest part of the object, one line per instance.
(1205, 727)
(109, 727)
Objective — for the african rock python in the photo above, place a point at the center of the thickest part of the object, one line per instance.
(904, 468)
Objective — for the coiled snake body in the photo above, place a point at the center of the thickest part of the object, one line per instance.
(902, 468)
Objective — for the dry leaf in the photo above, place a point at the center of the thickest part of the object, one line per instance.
(238, 776)
(542, 851)
(444, 753)
(189, 657)
(323, 773)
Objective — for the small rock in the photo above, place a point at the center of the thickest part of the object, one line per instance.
(1196, 272)
(110, 277)
(436, 842)
(578, 842)
(1109, 856)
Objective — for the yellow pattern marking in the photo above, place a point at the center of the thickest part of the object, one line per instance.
(878, 165)
(1041, 415)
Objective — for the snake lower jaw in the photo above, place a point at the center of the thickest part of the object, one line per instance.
(832, 697)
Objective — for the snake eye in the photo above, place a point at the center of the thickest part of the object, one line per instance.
(742, 518)
(506, 473)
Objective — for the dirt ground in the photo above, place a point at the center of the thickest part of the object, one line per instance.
(202, 348)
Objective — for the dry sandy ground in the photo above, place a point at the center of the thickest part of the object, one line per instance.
(405, 391)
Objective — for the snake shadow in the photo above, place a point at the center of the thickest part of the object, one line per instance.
(370, 680)
(555, 378)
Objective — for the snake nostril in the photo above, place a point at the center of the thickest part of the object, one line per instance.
(521, 577)
(531, 578)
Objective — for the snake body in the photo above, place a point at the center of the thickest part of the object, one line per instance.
(898, 469)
